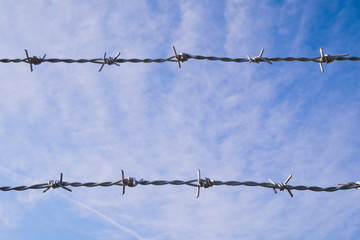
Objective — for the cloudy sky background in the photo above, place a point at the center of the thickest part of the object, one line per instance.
(234, 121)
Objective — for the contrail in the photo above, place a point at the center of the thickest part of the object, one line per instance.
(104, 217)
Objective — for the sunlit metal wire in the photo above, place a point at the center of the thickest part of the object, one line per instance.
(198, 183)
(182, 57)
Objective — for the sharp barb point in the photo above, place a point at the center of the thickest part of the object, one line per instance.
(261, 52)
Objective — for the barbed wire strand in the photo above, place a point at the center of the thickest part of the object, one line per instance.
(180, 58)
(198, 183)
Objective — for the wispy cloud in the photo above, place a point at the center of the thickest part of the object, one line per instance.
(103, 217)
(233, 121)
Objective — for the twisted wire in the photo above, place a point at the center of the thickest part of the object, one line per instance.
(275, 59)
(94, 60)
(192, 183)
(173, 59)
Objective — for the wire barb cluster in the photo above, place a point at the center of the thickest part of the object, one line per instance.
(182, 57)
(282, 186)
(328, 58)
(198, 183)
(34, 60)
(130, 181)
(109, 61)
(205, 183)
(259, 58)
(56, 184)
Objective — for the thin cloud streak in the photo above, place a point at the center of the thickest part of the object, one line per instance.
(103, 216)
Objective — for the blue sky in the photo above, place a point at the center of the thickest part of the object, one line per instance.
(233, 121)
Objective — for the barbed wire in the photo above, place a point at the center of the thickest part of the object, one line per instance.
(180, 58)
(198, 183)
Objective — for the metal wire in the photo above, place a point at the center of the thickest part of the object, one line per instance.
(199, 183)
(171, 59)
(94, 60)
(182, 57)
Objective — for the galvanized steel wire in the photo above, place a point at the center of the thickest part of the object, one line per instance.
(199, 183)
(172, 59)
(179, 58)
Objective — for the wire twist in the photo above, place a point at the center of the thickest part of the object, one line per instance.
(109, 61)
(259, 58)
(130, 181)
(282, 186)
(182, 57)
(198, 183)
(56, 184)
(34, 60)
(205, 183)
(326, 58)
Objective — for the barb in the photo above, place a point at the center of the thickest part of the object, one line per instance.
(182, 57)
(259, 58)
(205, 183)
(109, 61)
(34, 60)
(130, 182)
(328, 58)
(198, 183)
(282, 186)
(55, 184)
